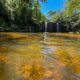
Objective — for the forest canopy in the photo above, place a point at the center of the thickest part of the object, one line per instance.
(26, 15)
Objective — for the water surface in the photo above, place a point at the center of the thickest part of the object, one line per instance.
(26, 56)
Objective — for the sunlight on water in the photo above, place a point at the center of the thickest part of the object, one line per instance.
(25, 57)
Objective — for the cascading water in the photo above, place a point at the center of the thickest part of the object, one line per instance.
(57, 29)
(46, 49)
(45, 32)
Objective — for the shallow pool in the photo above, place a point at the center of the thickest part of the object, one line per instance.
(27, 56)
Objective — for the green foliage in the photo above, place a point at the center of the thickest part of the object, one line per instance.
(73, 7)
(36, 11)
(55, 16)
(22, 12)
(27, 14)
(69, 19)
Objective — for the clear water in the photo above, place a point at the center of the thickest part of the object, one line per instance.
(25, 56)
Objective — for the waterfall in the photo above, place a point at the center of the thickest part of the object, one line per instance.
(57, 27)
(45, 32)
(46, 48)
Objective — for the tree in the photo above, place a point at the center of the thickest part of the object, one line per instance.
(72, 7)
(73, 14)
(22, 13)
(36, 11)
